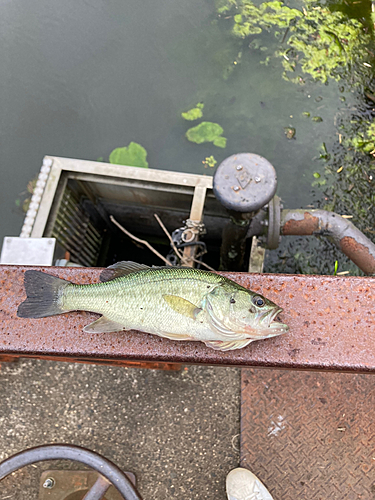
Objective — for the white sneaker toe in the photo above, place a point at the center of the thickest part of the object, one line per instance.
(244, 485)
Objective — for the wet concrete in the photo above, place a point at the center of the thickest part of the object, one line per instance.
(177, 431)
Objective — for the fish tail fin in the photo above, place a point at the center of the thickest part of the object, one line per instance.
(43, 295)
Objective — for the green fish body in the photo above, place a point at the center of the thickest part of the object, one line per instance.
(176, 303)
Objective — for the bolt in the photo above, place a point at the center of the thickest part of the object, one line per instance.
(257, 179)
(236, 188)
(49, 483)
(239, 167)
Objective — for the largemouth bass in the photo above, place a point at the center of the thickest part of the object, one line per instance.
(176, 303)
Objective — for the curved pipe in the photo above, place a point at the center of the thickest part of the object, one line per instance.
(350, 240)
(69, 452)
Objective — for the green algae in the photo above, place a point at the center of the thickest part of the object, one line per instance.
(133, 155)
(321, 43)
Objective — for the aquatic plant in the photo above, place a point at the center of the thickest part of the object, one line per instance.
(207, 132)
(133, 155)
(194, 113)
(364, 139)
(320, 42)
(209, 161)
(336, 267)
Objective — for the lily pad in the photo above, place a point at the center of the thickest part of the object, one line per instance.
(133, 155)
(220, 142)
(207, 132)
(193, 113)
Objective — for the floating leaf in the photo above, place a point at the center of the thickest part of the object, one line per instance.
(207, 132)
(220, 142)
(133, 155)
(193, 114)
(209, 161)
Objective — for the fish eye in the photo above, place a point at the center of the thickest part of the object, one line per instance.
(258, 301)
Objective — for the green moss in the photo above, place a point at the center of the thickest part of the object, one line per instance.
(133, 155)
(207, 132)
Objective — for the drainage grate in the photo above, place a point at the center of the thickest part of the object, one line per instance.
(75, 232)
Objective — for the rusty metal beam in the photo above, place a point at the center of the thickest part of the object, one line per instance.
(331, 319)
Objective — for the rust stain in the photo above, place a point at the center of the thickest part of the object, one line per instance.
(305, 227)
(324, 332)
(359, 254)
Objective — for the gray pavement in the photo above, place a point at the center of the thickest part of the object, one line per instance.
(177, 431)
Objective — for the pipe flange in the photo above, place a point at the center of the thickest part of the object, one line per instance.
(274, 223)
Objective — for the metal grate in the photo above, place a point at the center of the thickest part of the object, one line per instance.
(75, 231)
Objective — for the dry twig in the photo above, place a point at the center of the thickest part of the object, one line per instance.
(177, 252)
(143, 242)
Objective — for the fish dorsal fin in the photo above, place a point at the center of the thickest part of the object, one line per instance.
(122, 268)
(227, 345)
(103, 325)
(182, 306)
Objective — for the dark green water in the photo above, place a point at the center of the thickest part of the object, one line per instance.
(79, 79)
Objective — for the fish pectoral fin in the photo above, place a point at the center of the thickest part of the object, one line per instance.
(122, 268)
(175, 336)
(227, 345)
(182, 306)
(103, 325)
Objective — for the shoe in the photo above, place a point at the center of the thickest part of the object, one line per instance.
(244, 485)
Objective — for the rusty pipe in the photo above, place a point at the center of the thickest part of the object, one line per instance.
(350, 240)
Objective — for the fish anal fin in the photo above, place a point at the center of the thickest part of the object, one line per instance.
(103, 325)
(227, 345)
(122, 268)
(182, 306)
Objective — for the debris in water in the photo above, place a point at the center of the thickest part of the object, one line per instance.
(290, 132)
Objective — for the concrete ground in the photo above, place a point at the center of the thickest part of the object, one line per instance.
(177, 431)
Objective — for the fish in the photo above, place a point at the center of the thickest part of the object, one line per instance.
(178, 303)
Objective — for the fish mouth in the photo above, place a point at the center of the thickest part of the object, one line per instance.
(270, 321)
